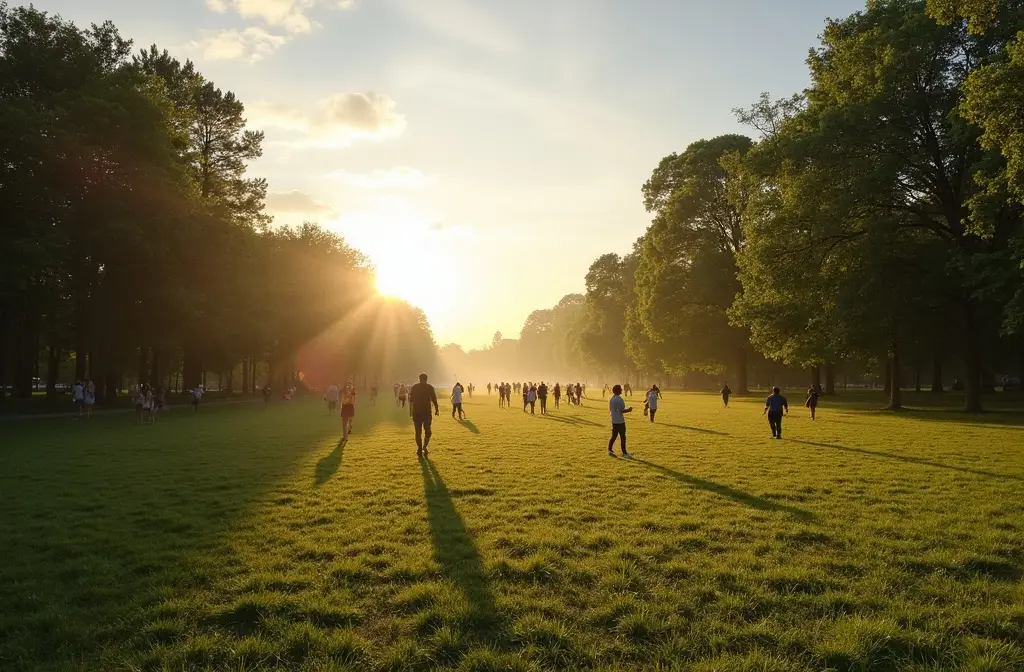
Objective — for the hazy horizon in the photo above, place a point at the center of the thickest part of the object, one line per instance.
(498, 148)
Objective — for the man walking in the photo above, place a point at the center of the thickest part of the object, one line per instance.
(774, 407)
(542, 394)
(457, 400)
(617, 408)
(421, 397)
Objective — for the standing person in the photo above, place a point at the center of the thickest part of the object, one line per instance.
(542, 394)
(605, 390)
(197, 396)
(348, 410)
(471, 388)
(403, 392)
(579, 394)
(812, 399)
(421, 397)
(526, 393)
(78, 394)
(373, 395)
(457, 400)
(89, 397)
(488, 389)
(557, 392)
(726, 391)
(531, 398)
(397, 387)
(139, 401)
(266, 393)
(617, 409)
(148, 403)
(501, 394)
(332, 398)
(652, 401)
(773, 407)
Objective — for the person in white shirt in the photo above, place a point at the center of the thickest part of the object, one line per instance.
(79, 397)
(652, 401)
(332, 398)
(197, 396)
(89, 397)
(457, 401)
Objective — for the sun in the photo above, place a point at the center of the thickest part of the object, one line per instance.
(422, 277)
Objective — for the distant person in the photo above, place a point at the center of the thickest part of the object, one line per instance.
(403, 393)
(397, 387)
(266, 394)
(197, 396)
(526, 394)
(78, 395)
(617, 409)
(332, 398)
(726, 392)
(542, 395)
(139, 401)
(348, 410)
(579, 394)
(605, 390)
(628, 389)
(651, 402)
(471, 388)
(421, 397)
(488, 389)
(556, 392)
(774, 407)
(456, 399)
(531, 398)
(89, 397)
(812, 399)
(501, 394)
(373, 395)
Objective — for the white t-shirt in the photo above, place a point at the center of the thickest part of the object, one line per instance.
(332, 393)
(652, 400)
(197, 393)
(79, 393)
(457, 394)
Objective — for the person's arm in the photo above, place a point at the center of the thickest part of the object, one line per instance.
(785, 405)
(765, 407)
(433, 398)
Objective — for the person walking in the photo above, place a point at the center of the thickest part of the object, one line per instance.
(557, 392)
(78, 394)
(579, 394)
(531, 398)
(332, 398)
(617, 409)
(403, 392)
(651, 403)
(488, 389)
(812, 400)
(421, 397)
(726, 391)
(542, 395)
(774, 407)
(456, 398)
(89, 398)
(348, 409)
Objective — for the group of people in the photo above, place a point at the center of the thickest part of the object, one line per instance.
(84, 395)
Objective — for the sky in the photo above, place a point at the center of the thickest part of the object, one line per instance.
(482, 153)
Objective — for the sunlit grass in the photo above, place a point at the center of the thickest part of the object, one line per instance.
(247, 538)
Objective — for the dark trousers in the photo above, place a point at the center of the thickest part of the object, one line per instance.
(619, 431)
(422, 423)
(543, 404)
(775, 422)
(457, 408)
(651, 412)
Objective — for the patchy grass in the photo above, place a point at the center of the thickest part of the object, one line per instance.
(246, 538)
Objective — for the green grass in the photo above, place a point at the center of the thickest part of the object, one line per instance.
(246, 538)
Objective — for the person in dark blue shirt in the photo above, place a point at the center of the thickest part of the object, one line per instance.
(774, 407)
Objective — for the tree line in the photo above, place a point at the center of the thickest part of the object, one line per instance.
(871, 225)
(135, 241)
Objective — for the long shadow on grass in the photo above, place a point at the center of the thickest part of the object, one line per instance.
(470, 426)
(910, 460)
(753, 501)
(328, 466)
(569, 420)
(458, 556)
(693, 429)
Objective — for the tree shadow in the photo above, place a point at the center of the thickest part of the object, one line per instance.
(691, 429)
(745, 498)
(328, 466)
(910, 460)
(458, 556)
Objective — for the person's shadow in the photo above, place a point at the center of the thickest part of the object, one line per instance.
(328, 466)
(458, 556)
(470, 426)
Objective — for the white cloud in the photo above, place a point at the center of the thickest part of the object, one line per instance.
(336, 121)
(290, 15)
(250, 44)
(391, 178)
(297, 203)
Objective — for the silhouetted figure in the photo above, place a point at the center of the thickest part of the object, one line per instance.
(421, 397)
(725, 394)
(774, 407)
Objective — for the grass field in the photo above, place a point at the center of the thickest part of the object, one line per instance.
(246, 538)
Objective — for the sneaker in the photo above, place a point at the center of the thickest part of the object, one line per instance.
(611, 453)
(628, 456)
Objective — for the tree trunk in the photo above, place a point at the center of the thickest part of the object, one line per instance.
(816, 377)
(887, 386)
(143, 374)
(4, 315)
(830, 378)
(245, 375)
(895, 393)
(231, 380)
(937, 374)
(52, 371)
(154, 369)
(741, 372)
(28, 355)
(972, 363)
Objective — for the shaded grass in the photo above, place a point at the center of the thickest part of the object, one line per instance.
(249, 538)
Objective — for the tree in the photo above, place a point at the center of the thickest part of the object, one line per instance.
(686, 278)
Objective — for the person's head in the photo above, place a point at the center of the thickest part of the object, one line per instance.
(423, 377)
(617, 389)
(775, 390)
